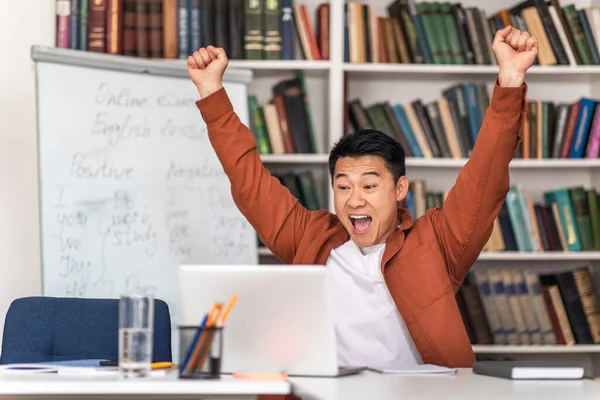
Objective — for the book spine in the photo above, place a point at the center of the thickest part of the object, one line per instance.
(74, 28)
(271, 26)
(182, 29)
(83, 24)
(97, 26)
(222, 29)
(540, 310)
(551, 32)
(129, 28)
(155, 28)
(288, 43)
(236, 29)
(169, 22)
(206, 9)
(63, 15)
(114, 26)
(141, 29)
(323, 29)
(574, 25)
(574, 307)
(253, 35)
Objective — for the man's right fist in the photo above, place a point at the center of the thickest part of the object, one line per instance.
(206, 67)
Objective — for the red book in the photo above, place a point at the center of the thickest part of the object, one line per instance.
(63, 23)
(97, 26)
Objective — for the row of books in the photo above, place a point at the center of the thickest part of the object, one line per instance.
(445, 127)
(567, 220)
(561, 130)
(525, 307)
(448, 126)
(427, 32)
(283, 125)
(246, 29)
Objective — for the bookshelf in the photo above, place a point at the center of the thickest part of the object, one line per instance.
(401, 83)
(330, 83)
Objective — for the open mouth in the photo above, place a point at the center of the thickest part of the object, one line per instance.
(360, 223)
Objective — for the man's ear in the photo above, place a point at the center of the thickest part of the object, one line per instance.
(401, 188)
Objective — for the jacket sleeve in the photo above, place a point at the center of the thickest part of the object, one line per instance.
(275, 214)
(464, 224)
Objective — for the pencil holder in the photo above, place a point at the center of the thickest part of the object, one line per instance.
(200, 352)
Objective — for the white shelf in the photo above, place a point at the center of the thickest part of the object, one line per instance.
(553, 163)
(266, 65)
(541, 349)
(295, 158)
(434, 69)
(516, 256)
(539, 256)
(263, 251)
(281, 65)
(557, 163)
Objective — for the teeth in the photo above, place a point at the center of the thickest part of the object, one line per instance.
(359, 216)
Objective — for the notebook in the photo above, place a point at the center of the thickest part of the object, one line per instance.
(528, 370)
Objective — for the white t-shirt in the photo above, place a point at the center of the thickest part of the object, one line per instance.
(369, 329)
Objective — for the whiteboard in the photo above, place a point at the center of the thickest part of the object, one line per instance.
(130, 187)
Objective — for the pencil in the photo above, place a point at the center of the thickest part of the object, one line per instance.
(219, 324)
(212, 315)
(162, 364)
(227, 310)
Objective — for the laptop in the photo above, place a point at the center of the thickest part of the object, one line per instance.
(282, 321)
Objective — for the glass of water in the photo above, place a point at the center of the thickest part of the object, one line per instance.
(136, 328)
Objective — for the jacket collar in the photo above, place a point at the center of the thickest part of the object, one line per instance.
(395, 242)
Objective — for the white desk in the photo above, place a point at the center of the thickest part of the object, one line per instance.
(54, 386)
(366, 386)
(464, 385)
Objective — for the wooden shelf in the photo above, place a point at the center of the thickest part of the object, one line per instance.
(541, 349)
(434, 69)
(295, 158)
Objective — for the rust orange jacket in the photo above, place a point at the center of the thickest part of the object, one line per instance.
(426, 260)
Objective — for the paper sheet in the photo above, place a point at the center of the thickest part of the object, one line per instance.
(422, 369)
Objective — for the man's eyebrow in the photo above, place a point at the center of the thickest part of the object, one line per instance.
(343, 175)
(371, 173)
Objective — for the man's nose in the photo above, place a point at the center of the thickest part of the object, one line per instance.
(356, 199)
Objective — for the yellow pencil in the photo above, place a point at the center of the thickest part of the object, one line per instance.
(227, 310)
(161, 365)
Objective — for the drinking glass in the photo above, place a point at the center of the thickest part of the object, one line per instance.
(136, 328)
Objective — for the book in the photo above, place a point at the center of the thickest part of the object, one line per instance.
(527, 370)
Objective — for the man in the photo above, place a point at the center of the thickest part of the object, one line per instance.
(394, 280)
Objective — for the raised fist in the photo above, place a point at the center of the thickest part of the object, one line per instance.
(206, 67)
(515, 51)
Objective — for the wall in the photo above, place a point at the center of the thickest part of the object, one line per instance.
(22, 23)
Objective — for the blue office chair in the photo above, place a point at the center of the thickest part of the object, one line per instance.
(42, 329)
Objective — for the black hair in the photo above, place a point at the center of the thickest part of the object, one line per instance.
(370, 142)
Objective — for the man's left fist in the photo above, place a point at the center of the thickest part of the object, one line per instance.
(515, 51)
